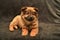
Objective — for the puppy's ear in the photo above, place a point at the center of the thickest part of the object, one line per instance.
(23, 8)
(36, 9)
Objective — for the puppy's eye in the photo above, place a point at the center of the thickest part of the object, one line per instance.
(24, 11)
(27, 13)
(34, 13)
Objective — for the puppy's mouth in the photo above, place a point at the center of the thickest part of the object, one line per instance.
(29, 18)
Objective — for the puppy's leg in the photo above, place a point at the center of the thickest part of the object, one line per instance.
(11, 28)
(24, 32)
(13, 24)
(34, 32)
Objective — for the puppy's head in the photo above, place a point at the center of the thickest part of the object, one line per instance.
(29, 13)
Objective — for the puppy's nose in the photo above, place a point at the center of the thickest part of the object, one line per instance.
(29, 18)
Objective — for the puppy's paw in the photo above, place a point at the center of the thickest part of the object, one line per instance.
(24, 32)
(34, 32)
(11, 29)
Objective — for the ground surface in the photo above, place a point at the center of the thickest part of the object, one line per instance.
(47, 31)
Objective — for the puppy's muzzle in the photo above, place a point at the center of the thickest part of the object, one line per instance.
(29, 18)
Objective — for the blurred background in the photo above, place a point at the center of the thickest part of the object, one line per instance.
(49, 19)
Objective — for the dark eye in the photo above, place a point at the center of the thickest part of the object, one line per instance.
(34, 13)
(27, 12)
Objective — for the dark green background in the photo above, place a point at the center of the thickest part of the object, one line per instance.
(49, 24)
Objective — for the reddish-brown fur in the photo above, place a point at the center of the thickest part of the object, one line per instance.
(22, 23)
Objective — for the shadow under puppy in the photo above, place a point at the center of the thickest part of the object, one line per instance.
(27, 20)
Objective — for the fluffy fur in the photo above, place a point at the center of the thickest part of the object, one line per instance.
(26, 24)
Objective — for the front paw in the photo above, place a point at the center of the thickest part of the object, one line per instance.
(24, 32)
(11, 29)
(34, 32)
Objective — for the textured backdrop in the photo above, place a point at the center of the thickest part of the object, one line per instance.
(49, 19)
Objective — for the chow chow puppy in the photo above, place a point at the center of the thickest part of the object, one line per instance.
(27, 21)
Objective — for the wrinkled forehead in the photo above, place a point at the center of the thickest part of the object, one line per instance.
(30, 9)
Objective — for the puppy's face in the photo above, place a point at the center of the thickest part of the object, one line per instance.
(29, 13)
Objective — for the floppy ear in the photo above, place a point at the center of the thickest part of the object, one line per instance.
(36, 9)
(23, 8)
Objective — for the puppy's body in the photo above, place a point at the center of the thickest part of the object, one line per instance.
(27, 20)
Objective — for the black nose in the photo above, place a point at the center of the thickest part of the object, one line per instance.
(29, 18)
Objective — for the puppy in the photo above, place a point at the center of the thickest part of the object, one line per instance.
(27, 20)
